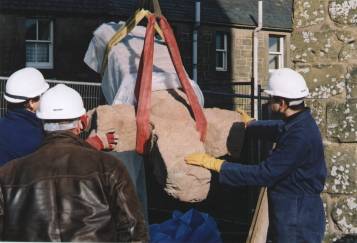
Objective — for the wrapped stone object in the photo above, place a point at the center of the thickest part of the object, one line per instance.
(175, 136)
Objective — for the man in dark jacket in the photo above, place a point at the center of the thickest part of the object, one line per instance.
(21, 131)
(295, 171)
(66, 190)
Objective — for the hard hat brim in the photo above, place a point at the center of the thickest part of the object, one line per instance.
(60, 116)
(272, 93)
(35, 94)
(269, 92)
(13, 100)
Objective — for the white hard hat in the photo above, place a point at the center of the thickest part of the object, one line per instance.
(24, 84)
(60, 103)
(287, 83)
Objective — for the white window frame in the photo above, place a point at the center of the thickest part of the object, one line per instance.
(224, 51)
(42, 65)
(280, 53)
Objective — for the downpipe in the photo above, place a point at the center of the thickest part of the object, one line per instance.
(195, 38)
(255, 56)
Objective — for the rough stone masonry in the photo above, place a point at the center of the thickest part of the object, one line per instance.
(324, 50)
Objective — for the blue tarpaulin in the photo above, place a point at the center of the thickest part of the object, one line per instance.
(192, 226)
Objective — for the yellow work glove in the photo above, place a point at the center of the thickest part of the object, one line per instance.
(245, 117)
(204, 160)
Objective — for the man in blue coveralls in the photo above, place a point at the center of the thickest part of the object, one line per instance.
(294, 172)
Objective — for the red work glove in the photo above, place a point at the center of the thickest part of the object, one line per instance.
(85, 121)
(103, 141)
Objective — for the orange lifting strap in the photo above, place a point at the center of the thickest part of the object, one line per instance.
(144, 82)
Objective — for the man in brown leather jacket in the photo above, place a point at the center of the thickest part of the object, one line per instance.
(66, 190)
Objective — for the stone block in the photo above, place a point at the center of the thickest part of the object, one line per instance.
(311, 46)
(343, 11)
(326, 199)
(324, 81)
(351, 87)
(333, 232)
(346, 35)
(342, 168)
(318, 110)
(340, 238)
(308, 12)
(344, 214)
(341, 121)
(348, 52)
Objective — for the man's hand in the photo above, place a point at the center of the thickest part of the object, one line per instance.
(204, 160)
(245, 117)
(103, 141)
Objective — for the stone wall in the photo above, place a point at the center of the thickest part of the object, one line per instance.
(324, 50)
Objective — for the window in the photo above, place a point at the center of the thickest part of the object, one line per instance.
(276, 52)
(221, 51)
(39, 43)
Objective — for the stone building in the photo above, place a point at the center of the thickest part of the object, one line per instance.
(53, 36)
(236, 23)
(324, 49)
(318, 38)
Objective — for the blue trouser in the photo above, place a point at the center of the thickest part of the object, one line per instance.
(296, 218)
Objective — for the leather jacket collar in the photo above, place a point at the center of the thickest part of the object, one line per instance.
(64, 137)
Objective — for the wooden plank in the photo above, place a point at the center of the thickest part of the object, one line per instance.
(259, 227)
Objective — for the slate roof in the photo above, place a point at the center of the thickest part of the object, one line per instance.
(60, 6)
(276, 13)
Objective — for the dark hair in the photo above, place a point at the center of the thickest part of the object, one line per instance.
(295, 107)
(287, 101)
(21, 105)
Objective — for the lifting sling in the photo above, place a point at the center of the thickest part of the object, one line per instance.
(124, 31)
(130, 25)
(143, 85)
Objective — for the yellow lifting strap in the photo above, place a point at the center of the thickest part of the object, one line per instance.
(123, 32)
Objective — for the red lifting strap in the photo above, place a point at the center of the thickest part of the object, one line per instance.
(144, 81)
(201, 122)
(143, 87)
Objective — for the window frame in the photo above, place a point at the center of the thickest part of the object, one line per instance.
(281, 53)
(42, 65)
(224, 68)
